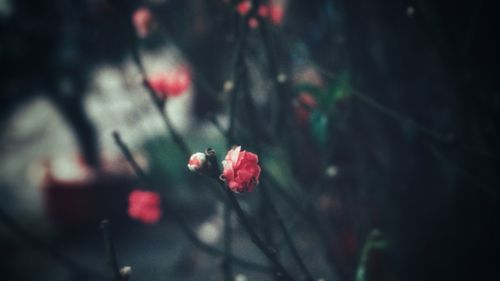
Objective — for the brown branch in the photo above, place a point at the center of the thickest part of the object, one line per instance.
(270, 253)
(178, 219)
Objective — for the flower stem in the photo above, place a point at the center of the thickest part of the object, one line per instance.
(177, 218)
(288, 238)
(268, 252)
(110, 249)
(159, 104)
(227, 265)
(45, 248)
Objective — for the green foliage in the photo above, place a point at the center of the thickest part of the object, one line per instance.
(375, 241)
(318, 124)
(328, 111)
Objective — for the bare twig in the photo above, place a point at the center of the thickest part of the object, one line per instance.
(159, 103)
(286, 234)
(178, 219)
(227, 265)
(270, 253)
(44, 248)
(110, 249)
(267, 251)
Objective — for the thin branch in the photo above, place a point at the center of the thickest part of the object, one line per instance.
(308, 215)
(110, 249)
(178, 219)
(388, 111)
(226, 264)
(159, 103)
(128, 155)
(243, 219)
(238, 65)
(284, 102)
(44, 248)
(442, 137)
(288, 238)
(267, 251)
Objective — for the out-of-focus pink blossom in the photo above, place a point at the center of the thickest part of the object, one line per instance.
(143, 21)
(276, 13)
(244, 7)
(263, 11)
(253, 23)
(241, 170)
(144, 206)
(170, 84)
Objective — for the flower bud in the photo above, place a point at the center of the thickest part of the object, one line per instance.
(198, 163)
(125, 272)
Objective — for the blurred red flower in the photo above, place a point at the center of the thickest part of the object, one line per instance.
(253, 23)
(263, 11)
(241, 170)
(276, 13)
(170, 84)
(244, 7)
(144, 206)
(143, 22)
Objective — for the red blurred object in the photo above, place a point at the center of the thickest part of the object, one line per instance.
(143, 22)
(263, 11)
(171, 84)
(244, 7)
(277, 13)
(253, 23)
(145, 206)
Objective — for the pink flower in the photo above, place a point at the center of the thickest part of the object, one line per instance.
(253, 23)
(144, 206)
(170, 84)
(143, 21)
(244, 7)
(263, 11)
(276, 13)
(241, 170)
(197, 162)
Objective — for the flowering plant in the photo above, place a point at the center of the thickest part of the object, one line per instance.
(241, 170)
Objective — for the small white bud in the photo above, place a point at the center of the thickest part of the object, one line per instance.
(197, 162)
(281, 78)
(240, 277)
(228, 86)
(331, 171)
(125, 272)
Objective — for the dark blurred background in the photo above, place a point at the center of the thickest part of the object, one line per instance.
(415, 154)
